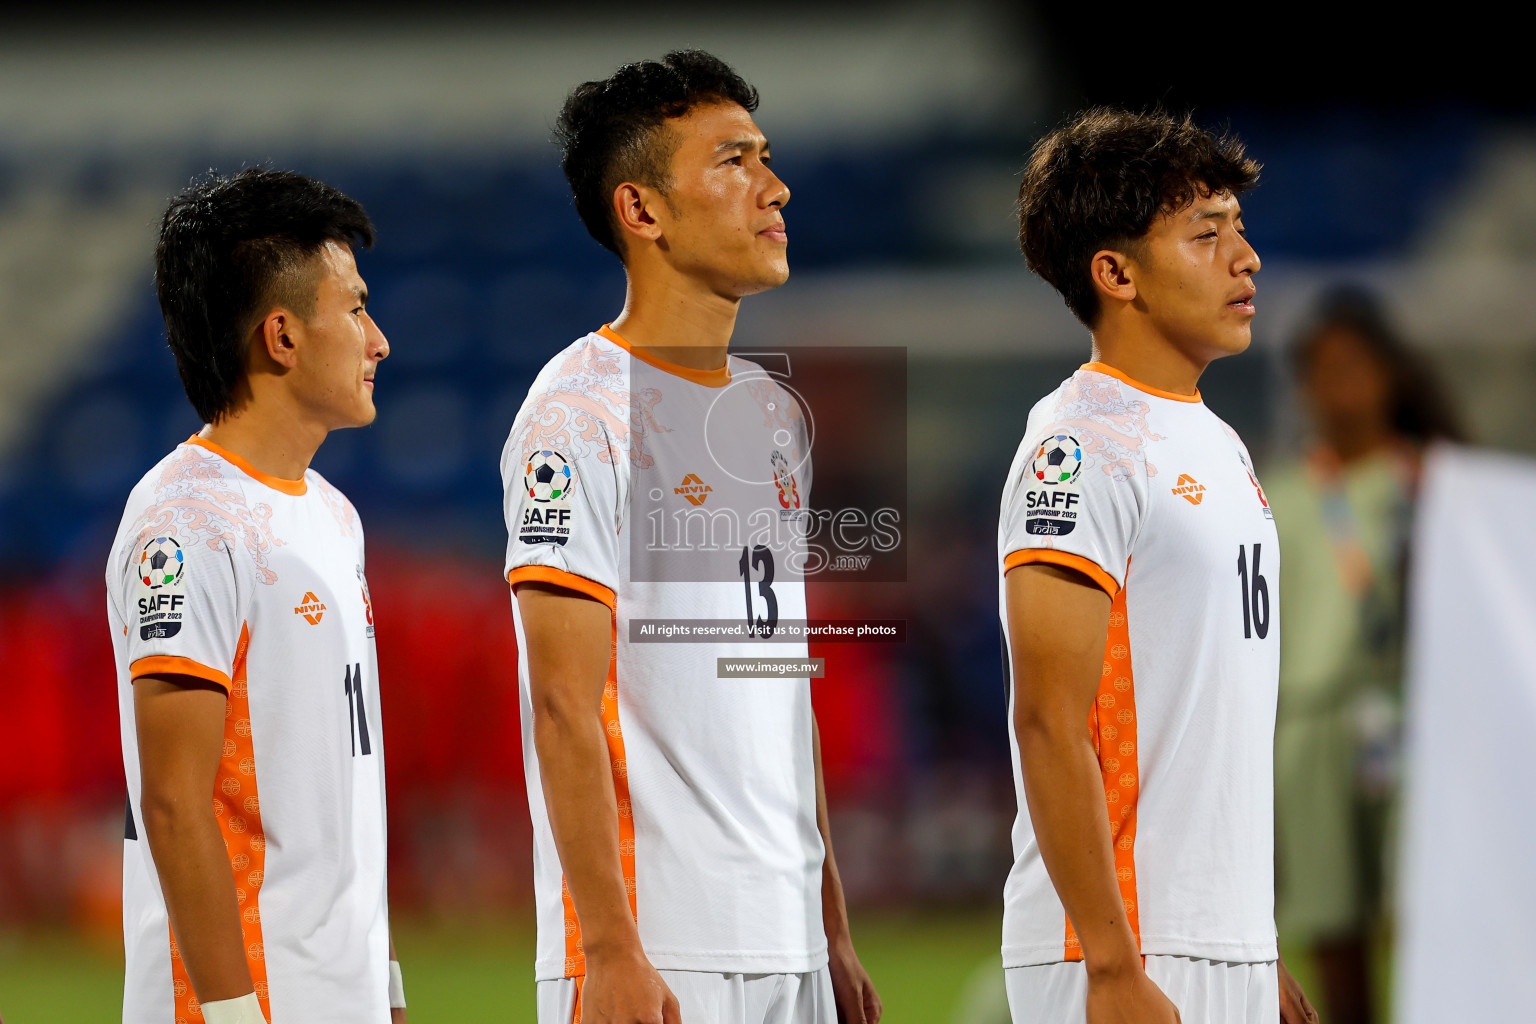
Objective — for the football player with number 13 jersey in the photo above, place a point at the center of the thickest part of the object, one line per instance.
(682, 866)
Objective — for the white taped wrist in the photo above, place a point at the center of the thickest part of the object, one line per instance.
(245, 1010)
(396, 987)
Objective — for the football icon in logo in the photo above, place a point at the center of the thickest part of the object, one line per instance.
(548, 476)
(1058, 460)
(161, 563)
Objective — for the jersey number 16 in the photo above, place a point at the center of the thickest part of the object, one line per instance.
(1255, 597)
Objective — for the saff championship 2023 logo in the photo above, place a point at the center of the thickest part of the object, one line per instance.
(162, 573)
(547, 484)
(1052, 486)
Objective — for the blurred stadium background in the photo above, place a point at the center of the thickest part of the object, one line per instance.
(899, 129)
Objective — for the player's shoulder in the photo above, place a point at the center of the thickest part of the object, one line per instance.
(203, 502)
(1234, 439)
(578, 405)
(339, 505)
(1107, 424)
(590, 365)
(189, 494)
(766, 390)
(192, 476)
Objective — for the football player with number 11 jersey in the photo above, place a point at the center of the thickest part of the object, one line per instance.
(254, 884)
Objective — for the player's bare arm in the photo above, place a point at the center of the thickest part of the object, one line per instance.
(1057, 623)
(857, 1001)
(180, 724)
(568, 643)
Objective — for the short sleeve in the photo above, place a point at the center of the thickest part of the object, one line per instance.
(180, 595)
(1066, 505)
(563, 516)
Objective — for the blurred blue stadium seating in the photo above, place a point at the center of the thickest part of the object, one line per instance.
(482, 271)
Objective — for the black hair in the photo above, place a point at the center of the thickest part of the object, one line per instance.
(608, 130)
(1100, 179)
(1419, 408)
(229, 250)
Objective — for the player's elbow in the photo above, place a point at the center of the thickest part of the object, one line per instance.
(559, 714)
(1047, 725)
(167, 808)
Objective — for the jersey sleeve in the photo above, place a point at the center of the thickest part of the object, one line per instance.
(563, 512)
(1068, 505)
(180, 594)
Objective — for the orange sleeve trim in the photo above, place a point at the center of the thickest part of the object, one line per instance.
(277, 483)
(1063, 558)
(717, 378)
(1126, 378)
(170, 665)
(561, 578)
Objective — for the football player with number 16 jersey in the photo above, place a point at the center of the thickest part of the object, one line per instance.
(1138, 561)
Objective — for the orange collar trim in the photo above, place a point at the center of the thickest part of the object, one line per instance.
(718, 378)
(1125, 378)
(277, 483)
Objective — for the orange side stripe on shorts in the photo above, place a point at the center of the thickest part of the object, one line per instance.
(1113, 724)
(1051, 556)
(575, 955)
(237, 807)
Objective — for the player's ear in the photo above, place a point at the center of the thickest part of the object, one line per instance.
(275, 336)
(1111, 271)
(637, 208)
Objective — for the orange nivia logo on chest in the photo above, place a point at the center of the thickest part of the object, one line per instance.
(311, 608)
(694, 489)
(1190, 489)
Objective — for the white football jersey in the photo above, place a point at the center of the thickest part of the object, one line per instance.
(1153, 497)
(666, 493)
(256, 584)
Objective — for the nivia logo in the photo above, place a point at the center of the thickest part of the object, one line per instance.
(310, 608)
(694, 489)
(1190, 489)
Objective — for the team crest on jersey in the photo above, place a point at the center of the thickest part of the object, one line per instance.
(162, 572)
(362, 582)
(1269, 513)
(789, 494)
(547, 485)
(1053, 486)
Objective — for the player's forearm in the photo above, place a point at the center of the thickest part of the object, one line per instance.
(834, 909)
(199, 890)
(1064, 790)
(583, 815)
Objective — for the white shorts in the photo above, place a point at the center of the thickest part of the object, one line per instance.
(720, 998)
(1205, 991)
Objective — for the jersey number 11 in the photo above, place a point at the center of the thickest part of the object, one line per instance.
(357, 715)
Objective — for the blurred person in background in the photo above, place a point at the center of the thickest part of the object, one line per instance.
(683, 867)
(254, 884)
(1144, 652)
(1344, 513)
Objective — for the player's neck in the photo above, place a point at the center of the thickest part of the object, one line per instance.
(1148, 358)
(677, 319)
(277, 441)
